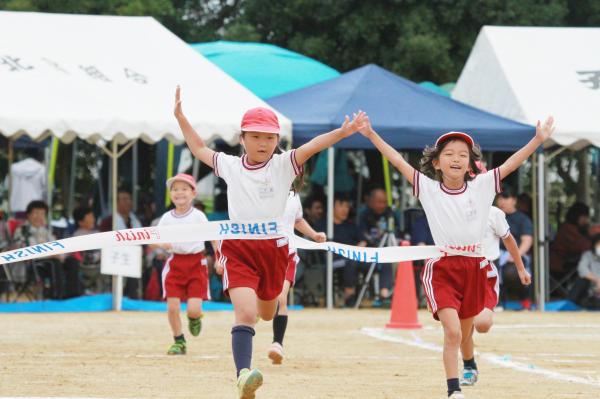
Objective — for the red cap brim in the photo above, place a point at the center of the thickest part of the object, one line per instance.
(455, 135)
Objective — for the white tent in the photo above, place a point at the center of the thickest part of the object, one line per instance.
(105, 77)
(108, 78)
(527, 73)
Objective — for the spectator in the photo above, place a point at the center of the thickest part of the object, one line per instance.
(345, 232)
(586, 290)
(520, 224)
(572, 239)
(4, 233)
(374, 222)
(525, 204)
(314, 211)
(92, 280)
(60, 280)
(126, 219)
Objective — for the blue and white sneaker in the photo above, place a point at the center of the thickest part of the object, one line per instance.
(469, 377)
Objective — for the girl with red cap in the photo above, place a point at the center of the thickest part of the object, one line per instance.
(457, 208)
(185, 273)
(258, 184)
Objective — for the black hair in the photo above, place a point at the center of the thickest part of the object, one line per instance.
(508, 192)
(36, 204)
(341, 197)
(310, 200)
(80, 213)
(433, 153)
(575, 211)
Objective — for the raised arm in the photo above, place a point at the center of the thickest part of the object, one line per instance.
(511, 246)
(193, 140)
(542, 133)
(325, 140)
(388, 151)
(303, 227)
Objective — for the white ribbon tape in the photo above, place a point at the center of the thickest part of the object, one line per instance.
(227, 230)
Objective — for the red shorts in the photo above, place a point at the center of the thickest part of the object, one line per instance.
(186, 276)
(256, 264)
(457, 282)
(492, 287)
(290, 273)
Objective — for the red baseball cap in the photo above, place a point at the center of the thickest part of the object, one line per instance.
(260, 119)
(184, 177)
(458, 135)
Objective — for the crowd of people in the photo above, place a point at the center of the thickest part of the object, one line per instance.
(574, 250)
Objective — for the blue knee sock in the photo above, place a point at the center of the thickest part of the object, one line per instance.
(241, 346)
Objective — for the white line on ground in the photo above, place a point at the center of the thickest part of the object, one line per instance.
(503, 361)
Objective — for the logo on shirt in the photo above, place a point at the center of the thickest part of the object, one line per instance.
(471, 210)
(266, 190)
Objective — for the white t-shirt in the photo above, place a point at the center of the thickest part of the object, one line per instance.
(497, 228)
(257, 192)
(457, 217)
(293, 213)
(192, 216)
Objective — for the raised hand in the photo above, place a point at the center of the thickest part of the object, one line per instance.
(178, 111)
(543, 132)
(366, 129)
(350, 127)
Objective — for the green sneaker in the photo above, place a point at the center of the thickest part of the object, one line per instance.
(178, 348)
(248, 382)
(195, 325)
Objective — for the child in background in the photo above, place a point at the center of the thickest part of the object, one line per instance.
(185, 274)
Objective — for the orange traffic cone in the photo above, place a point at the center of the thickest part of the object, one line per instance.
(404, 303)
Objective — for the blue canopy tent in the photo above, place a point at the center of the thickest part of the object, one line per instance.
(265, 69)
(405, 114)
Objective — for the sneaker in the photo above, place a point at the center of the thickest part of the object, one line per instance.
(248, 382)
(469, 377)
(178, 348)
(456, 395)
(195, 325)
(276, 353)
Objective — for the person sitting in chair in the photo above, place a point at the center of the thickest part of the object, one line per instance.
(586, 290)
(60, 280)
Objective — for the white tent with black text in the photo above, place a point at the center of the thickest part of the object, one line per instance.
(111, 79)
(527, 74)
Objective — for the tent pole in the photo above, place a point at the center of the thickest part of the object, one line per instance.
(117, 281)
(542, 229)
(134, 176)
(11, 158)
(330, 194)
(536, 230)
(70, 204)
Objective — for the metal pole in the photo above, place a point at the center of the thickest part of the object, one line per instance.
(11, 156)
(542, 230)
(71, 205)
(196, 168)
(536, 229)
(134, 176)
(330, 194)
(117, 281)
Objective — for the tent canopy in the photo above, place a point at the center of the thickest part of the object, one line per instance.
(265, 69)
(528, 73)
(105, 77)
(407, 115)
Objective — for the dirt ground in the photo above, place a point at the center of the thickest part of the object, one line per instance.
(329, 354)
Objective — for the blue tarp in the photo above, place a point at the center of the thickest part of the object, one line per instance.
(265, 69)
(103, 303)
(405, 114)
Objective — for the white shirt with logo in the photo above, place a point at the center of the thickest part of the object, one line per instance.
(457, 217)
(192, 216)
(497, 228)
(257, 192)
